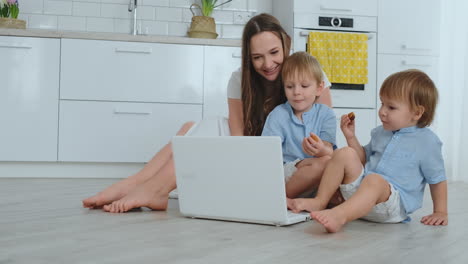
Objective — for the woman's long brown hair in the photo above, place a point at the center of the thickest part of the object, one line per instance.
(257, 103)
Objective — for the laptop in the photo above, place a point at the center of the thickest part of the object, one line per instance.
(232, 178)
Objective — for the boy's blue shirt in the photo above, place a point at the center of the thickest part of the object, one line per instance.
(282, 122)
(408, 159)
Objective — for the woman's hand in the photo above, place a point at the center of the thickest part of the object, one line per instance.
(347, 126)
(314, 146)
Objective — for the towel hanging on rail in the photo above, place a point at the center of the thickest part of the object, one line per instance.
(343, 56)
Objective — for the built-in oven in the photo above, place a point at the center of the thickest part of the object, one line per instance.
(343, 94)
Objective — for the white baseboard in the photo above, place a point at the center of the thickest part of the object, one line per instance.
(67, 170)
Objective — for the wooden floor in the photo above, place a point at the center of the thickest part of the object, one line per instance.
(41, 221)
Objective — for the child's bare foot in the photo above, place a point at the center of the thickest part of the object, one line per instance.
(110, 194)
(332, 220)
(141, 196)
(305, 204)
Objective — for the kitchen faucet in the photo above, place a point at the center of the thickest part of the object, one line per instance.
(132, 6)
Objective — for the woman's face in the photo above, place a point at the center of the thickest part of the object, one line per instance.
(266, 52)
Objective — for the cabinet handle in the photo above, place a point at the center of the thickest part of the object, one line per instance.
(322, 7)
(126, 50)
(236, 55)
(405, 63)
(14, 46)
(306, 34)
(119, 112)
(405, 47)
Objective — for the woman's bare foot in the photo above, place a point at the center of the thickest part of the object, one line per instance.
(332, 220)
(305, 204)
(143, 195)
(110, 194)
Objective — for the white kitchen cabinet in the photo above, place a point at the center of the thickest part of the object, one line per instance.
(409, 27)
(119, 132)
(364, 124)
(389, 64)
(131, 71)
(220, 62)
(337, 7)
(29, 88)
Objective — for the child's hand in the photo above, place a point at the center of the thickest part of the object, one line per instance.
(435, 219)
(314, 146)
(347, 126)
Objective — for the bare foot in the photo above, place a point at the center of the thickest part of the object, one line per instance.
(305, 204)
(332, 220)
(110, 194)
(141, 196)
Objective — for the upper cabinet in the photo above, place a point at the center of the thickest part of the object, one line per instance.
(131, 71)
(29, 89)
(409, 27)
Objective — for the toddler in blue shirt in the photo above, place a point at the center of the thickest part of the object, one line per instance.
(307, 129)
(385, 180)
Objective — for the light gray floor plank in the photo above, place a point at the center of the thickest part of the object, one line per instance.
(41, 221)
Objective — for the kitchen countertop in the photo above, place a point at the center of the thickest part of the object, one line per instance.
(118, 37)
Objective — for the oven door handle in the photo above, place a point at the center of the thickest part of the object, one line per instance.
(306, 34)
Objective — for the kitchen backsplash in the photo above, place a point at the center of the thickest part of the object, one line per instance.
(155, 17)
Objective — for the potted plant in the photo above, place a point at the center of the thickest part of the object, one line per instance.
(204, 26)
(9, 10)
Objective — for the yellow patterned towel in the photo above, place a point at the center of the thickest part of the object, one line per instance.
(343, 56)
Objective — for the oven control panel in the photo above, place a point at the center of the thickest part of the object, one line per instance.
(336, 22)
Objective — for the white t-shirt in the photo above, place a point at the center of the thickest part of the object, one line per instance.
(234, 90)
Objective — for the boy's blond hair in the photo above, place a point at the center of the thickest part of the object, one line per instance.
(416, 88)
(302, 65)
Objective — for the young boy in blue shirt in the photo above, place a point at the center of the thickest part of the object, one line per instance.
(385, 180)
(307, 129)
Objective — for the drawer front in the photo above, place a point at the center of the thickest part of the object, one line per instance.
(337, 7)
(131, 72)
(414, 29)
(29, 86)
(389, 64)
(365, 122)
(119, 132)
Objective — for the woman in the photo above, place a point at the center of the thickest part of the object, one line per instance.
(252, 93)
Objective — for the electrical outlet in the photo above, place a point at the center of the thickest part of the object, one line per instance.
(241, 17)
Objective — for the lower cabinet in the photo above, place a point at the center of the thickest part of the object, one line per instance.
(365, 122)
(29, 89)
(119, 132)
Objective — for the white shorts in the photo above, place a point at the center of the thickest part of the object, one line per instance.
(217, 126)
(289, 169)
(391, 211)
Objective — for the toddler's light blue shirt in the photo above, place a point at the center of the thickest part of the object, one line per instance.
(282, 122)
(408, 159)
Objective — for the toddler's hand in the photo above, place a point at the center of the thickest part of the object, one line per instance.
(347, 125)
(435, 219)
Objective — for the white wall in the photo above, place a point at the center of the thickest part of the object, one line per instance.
(157, 17)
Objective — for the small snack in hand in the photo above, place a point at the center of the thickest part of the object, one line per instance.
(314, 137)
(351, 116)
